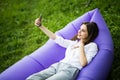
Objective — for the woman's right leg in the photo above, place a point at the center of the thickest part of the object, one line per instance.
(65, 72)
(44, 74)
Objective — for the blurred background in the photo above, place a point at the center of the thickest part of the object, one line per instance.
(19, 37)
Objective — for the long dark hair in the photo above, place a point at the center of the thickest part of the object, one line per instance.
(93, 31)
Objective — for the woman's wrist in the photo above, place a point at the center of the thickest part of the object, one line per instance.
(81, 46)
(39, 25)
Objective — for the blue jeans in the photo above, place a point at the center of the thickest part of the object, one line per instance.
(57, 71)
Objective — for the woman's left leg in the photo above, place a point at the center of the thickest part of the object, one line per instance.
(44, 74)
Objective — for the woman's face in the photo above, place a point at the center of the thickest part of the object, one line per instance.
(82, 32)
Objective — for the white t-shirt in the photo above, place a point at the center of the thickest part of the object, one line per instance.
(72, 55)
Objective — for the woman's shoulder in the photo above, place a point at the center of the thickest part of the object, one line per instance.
(92, 44)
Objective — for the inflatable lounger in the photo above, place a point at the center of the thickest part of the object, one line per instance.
(50, 53)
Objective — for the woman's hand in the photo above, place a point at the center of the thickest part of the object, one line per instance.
(81, 43)
(38, 21)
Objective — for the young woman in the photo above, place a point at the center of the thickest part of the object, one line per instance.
(79, 52)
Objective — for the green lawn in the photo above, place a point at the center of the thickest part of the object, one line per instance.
(19, 37)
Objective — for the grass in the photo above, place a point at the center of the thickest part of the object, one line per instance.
(19, 37)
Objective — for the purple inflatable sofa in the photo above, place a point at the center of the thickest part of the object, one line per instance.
(50, 53)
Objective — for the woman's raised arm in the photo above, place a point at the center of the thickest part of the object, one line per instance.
(49, 33)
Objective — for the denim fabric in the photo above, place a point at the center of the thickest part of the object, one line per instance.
(57, 71)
